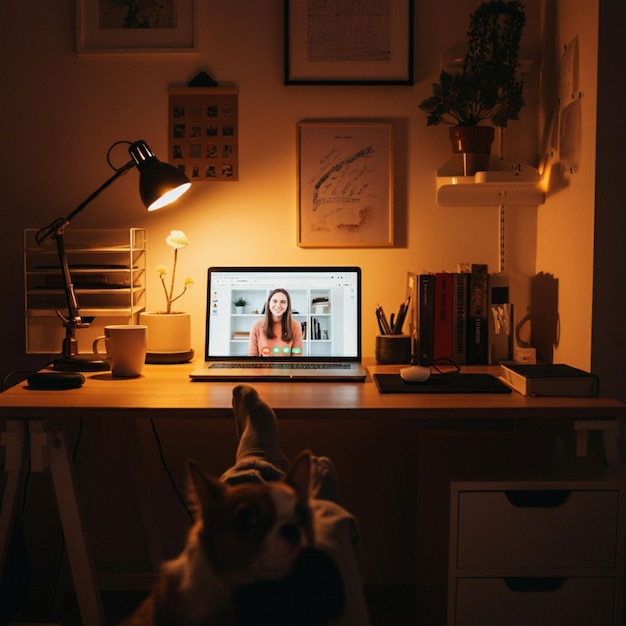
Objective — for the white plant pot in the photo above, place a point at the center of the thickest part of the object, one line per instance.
(168, 333)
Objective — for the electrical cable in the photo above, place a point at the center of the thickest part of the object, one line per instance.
(167, 470)
(25, 373)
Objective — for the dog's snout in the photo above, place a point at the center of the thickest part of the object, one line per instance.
(290, 533)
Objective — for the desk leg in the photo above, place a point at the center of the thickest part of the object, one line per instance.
(12, 439)
(78, 551)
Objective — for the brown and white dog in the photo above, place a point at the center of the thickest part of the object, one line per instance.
(242, 534)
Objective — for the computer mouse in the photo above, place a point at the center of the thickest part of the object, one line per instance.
(415, 373)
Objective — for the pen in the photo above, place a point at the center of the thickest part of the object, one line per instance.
(383, 320)
(404, 307)
(380, 324)
(397, 327)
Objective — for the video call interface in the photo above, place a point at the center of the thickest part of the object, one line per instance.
(324, 301)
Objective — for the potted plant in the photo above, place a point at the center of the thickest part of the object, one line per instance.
(488, 87)
(169, 332)
(240, 304)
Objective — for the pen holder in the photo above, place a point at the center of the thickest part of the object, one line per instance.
(393, 349)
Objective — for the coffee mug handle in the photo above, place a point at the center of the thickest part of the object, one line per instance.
(94, 346)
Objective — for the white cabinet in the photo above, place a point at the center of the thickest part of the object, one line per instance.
(108, 272)
(535, 553)
(310, 307)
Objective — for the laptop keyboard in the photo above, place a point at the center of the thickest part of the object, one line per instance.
(275, 366)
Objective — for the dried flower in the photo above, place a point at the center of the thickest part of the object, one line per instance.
(177, 240)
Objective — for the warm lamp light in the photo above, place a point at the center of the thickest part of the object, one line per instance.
(160, 184)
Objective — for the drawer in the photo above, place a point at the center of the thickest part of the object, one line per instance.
(534, 601)
(537, 528)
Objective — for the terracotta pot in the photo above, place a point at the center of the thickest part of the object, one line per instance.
(168, 333)
(474, 143)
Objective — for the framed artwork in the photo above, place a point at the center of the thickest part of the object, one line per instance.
(336, 42)
(136, 26)
(203, 132)
(345, 184)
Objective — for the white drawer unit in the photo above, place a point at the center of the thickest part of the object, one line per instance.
(540, 553)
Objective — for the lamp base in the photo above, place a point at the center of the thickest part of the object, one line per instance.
(80, 363)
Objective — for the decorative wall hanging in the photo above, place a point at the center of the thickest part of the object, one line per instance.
(203, 132)
(135, 27)
(337, 42)
(345, 184)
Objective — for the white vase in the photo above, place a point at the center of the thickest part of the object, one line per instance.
(168, 333)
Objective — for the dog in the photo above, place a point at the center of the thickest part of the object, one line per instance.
(248, 552)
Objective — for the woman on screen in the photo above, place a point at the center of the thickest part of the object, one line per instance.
(277, 334)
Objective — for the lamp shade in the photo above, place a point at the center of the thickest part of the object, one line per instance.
(159, 183)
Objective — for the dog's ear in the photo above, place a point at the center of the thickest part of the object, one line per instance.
(299, 476)
(204, 491)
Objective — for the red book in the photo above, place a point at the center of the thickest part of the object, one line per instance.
(444, 316)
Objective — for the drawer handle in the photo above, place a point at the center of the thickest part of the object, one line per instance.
(526, 584)
(537, 499)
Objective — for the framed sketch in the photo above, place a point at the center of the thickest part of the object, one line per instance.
(203, 132)
(345, 184)
(136, 26)
(338, 42)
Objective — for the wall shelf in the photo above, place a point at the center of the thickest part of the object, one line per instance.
(516, 186)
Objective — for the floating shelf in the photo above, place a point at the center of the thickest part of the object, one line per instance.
(517, 186)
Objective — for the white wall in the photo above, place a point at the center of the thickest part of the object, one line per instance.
(565, 224)
(61, 112)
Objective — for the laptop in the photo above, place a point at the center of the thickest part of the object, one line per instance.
(325, 305)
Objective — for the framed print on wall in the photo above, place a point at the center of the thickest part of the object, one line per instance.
(203, 131)
(345, 184)
(336, 42)
(136, 26)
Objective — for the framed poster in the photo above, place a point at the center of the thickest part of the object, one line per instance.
(203, 132)
(136, 26)
(336, 42)
(345, 184)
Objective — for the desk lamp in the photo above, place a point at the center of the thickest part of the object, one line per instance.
(160, 184)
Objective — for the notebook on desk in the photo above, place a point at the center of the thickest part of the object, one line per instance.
(325, 306)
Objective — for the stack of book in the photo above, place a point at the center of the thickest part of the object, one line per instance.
(556, 379)
(464, 316)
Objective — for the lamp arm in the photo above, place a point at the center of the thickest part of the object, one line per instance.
(68, 286)
(60, 224)
(55, 231)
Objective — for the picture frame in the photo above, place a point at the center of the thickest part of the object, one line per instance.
(345, 184)
(169, 27)
(378, 52)
(203, 132)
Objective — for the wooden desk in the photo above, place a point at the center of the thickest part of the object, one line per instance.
(165, 391)
(344, 412)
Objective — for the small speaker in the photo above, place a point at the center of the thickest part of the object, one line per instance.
(55, 380)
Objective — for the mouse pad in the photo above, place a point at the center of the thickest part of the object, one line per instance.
(442, 383)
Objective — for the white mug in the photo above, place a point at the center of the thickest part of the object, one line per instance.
(125, 349)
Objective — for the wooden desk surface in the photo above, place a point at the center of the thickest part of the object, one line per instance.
(166, 391)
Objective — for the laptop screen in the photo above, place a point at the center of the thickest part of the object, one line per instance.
(323, 304)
